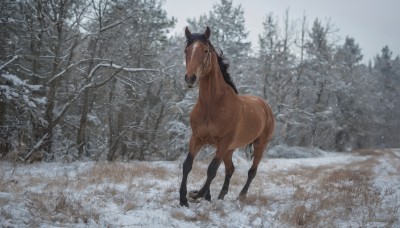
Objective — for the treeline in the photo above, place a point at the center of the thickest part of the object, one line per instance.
(102, 80)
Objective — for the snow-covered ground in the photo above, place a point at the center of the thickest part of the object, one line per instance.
(361, 189)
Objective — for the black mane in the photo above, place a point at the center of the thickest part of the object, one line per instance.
(223, 64)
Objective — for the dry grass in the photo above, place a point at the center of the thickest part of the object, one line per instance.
(58, 207)
(322, 196)
(197, 217)
(368, 152)
(298, 215)
(168, 195)
(260, 200)
(53, 199)
(342, 194)
(129, 206)
(7, 185)
(118, 172)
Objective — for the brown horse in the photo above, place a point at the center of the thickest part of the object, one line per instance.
(221, 117)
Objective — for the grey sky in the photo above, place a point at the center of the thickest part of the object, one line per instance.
(373, 23)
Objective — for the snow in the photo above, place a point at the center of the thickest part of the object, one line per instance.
(15, 80)
(94, 119)
(41, 101)
(283, 151)
(145, 194)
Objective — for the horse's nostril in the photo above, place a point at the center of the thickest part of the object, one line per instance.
(193, 79)
(190, 80)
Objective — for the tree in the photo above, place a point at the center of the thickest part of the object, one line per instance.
(69, 59)
(349, 54)
(348, 76)
(388, 82)
(277, 67)
(319, 65)
(141, 45)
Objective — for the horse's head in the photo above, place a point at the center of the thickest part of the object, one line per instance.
(198, 56)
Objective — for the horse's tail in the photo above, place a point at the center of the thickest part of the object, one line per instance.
(250, 150)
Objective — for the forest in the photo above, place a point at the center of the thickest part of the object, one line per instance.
(104, 80)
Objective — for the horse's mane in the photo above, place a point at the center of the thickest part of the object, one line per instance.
(223, 64)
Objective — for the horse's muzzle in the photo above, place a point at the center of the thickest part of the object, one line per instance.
(190, 80)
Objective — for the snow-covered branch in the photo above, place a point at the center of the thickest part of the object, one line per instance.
(73, 99)
(115, 24)
(128, 69)
(10, 61)
(35, 148)
(61, 73)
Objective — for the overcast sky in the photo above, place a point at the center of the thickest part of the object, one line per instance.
(373, 23)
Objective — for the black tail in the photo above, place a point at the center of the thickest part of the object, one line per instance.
(250, 151)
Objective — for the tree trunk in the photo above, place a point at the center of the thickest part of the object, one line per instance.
(81, 137)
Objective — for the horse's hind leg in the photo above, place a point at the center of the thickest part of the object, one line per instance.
(260, 144)
(229, 169)
(258, 153)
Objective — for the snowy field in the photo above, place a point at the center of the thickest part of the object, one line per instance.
(361, 189)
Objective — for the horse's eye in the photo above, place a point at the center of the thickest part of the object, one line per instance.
(206, 51)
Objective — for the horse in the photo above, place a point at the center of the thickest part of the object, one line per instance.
(221, 118)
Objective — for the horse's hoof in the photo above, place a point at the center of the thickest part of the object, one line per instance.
(186, 204)
(241, 197)
(183, 202)
(194, 200)
(193, 196)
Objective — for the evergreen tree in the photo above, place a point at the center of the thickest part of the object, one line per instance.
(348, 75)
(349, 54)
(388, 82)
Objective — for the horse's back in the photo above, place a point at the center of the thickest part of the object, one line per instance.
(259, 104)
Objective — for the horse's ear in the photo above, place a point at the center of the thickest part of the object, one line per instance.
(188, 34)
(207, 33)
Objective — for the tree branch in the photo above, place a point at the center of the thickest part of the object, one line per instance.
(71, 101)
(11, 60)
(115, 24)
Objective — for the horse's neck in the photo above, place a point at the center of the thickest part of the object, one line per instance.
(212, 88)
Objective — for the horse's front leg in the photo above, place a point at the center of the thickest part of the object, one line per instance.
(194, 148)
(211, 173)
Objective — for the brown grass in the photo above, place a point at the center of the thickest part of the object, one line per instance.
(368, 152)
(118, 173)
(260, 200)
(7, 185)
(58, 207)
(129, 206)
(347, 193)
(167, 196)
(313, 197)
(54, 199)
(297, 215)
(198, 217)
